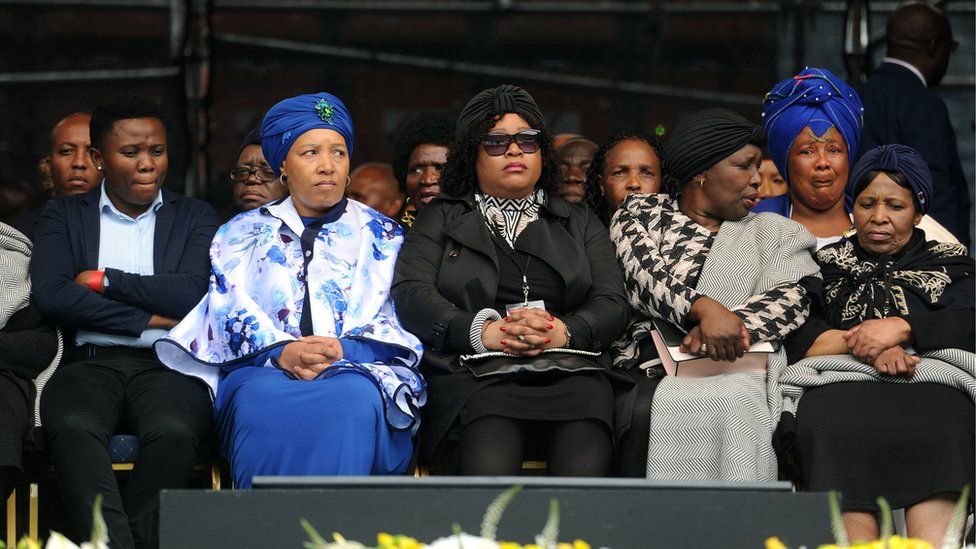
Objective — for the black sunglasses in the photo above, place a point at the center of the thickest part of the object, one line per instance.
(496, 144)
(264, 175)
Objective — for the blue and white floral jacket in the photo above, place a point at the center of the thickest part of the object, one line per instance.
(257, 291)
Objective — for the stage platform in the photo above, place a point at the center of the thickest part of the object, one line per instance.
(606, 512)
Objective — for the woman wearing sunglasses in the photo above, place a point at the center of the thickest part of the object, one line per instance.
(515, 295)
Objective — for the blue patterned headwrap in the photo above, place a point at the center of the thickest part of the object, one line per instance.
(815, 98)
(292, 117)
(894, 158)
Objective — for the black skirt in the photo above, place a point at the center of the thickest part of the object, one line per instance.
(544, 396)
(903, 442)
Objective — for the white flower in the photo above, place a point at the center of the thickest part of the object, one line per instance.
(467, 541)
(57, 541)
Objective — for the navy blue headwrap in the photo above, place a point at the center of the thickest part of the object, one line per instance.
(815, 98)
(253, 137)
(894, 158)
(291, 118)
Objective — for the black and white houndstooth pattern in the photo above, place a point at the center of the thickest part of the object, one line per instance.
(663, 253)
(717, 428)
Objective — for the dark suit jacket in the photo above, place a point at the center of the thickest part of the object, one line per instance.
(67, 242)
(27, 223)
(898, 108)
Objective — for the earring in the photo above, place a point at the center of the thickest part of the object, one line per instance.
(701, 182)
(99, 168)
(284, 179)
(348, 180)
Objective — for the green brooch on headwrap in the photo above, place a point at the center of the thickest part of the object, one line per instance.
(325, 111)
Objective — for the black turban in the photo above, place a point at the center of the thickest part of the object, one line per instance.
(498, 101)
(894, 158)
(704, 139)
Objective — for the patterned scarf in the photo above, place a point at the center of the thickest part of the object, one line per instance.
(15, 286)
(508, 217)
(859, 286)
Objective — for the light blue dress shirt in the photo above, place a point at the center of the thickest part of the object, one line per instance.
(125, 244)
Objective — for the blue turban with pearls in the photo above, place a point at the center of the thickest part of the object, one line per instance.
(894, 158)
(815, 98)
(292, 117)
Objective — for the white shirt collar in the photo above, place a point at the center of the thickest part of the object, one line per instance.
(105, 201)
(908, 66)
(286, 212)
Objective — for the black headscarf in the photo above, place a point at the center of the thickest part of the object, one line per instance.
(498, 101)
(704, 139)
(858, 286)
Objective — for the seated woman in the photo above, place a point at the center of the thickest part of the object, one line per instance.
(627, 163)
(702, 262)
(28, 345)
(813, 122)
(498, 242)
(887, 295)
(298, 321)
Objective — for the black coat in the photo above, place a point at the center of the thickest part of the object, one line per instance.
(447, 271)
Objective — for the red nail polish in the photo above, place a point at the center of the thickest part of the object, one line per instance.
(508, 319)
(504, 342)
(502, 328)
(548, 326)
(548, 340)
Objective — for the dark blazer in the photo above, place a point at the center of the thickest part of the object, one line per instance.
(898, 108)
(447, 271)
(67, 241)
(27, 223)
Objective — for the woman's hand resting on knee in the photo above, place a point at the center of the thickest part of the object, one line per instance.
(309, 356)
(525, 332)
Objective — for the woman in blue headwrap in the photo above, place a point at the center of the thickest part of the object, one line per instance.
(895, 309)
(297, 336)
(813, 123)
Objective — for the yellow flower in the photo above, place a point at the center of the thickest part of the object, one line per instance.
(898, 542)
(580, 544)
(829, 546)
(774, 543)
(384, 540)
(509, 545)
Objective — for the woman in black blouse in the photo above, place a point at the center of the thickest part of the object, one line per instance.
(499, 264)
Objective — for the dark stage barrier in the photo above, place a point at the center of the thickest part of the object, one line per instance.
(614, 513)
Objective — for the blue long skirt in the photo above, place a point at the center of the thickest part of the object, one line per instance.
(270, 424)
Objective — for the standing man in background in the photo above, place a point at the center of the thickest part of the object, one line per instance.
(900, 106)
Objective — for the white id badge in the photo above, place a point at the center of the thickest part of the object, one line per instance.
(537, 304)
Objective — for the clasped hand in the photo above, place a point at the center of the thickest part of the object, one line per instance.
(310, 356)
(870, 338)
(720, 331)
(524, 332)
(895, 361)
